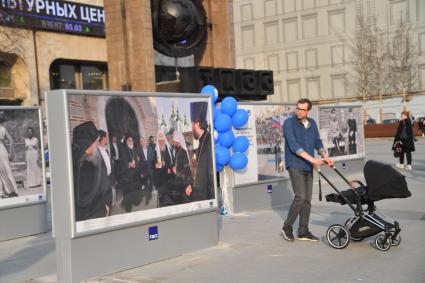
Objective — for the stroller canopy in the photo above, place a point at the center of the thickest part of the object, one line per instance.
(384, 182)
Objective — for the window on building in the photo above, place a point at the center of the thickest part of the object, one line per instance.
(336, 21)
(421, 43)
(69, 74)
(92, 77)
(248, 36)
(273, 62)
(309, 4)
(420, 10)
(292, 61)
(270, 8)
(290, 29)
(309, 26)
(321, 3)
(339, 86)
(277, 96)
(337, 55)
(289, 6)
(246, 12)
(249, 63)
(293, 89)
(398, 9)
(421, 76)
(5, 75)
(311, 59)
(313, 87)
(271, 31)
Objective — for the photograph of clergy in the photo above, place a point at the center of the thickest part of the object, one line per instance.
(121, 169)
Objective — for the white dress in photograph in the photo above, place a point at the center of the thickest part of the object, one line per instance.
(32, 156)
(7, 182)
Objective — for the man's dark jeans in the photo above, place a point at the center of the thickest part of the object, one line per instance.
(302, 184)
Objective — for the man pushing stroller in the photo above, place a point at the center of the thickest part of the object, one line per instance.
(301, 139)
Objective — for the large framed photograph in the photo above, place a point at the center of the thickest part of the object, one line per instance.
(266, 137)
(138, 158)
(341, 130)
(22, 178)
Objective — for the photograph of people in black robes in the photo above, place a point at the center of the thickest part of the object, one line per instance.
(139, 154)
(92, 189)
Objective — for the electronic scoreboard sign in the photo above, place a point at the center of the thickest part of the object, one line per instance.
(54, 15)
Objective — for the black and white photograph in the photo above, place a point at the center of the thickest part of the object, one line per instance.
(341, 130)
(139, 157)
(269, 121)
(21, 161)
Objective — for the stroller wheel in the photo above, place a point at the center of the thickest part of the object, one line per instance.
(396, 241)
(381, 245)
(338, 236)
(354, 239)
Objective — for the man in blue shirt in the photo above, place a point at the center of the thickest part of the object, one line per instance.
(301, 138)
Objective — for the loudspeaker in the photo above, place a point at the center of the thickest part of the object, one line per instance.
(206, 76)
(189, 80)
(265, 84)
(193, 79)
(241, 84)
(225, 79)
(246, 81)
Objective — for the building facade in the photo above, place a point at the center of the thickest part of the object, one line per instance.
(95, 45)
(308, 43)
(33, 61)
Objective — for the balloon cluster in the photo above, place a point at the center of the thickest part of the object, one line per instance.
(226, 117)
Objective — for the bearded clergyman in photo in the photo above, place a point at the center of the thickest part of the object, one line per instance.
(92, 191)
(164, 176)
(129, 181)
(203, 180)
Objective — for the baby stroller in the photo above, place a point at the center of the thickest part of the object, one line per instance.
(383, 182)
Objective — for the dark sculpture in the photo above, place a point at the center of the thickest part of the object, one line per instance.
(179, 27)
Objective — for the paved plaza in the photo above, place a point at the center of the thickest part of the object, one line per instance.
(251, 250)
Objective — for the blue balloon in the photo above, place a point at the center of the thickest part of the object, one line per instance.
(229, 105)
(222, 155)
(238, 161)
(226, 138)
(240, 118)
(210, 90)
(240, 144)
(222, 123)
(215, 134)
(218, 167)
(216, 111)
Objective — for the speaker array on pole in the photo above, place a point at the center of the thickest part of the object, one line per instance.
(239, 83)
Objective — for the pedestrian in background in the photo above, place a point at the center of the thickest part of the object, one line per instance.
(405, 137)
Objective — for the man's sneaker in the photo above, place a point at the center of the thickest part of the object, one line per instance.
(399, 165)
(287, 234)
(308, 237)
(408, 167)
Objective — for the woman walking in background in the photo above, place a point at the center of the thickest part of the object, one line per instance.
(404, 136)
(32, 156)
(7, 182)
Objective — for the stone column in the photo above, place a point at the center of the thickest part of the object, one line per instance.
(219, 51)
(131, 63)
